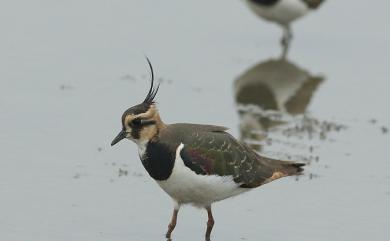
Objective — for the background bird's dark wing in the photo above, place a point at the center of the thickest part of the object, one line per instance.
(313, 4)
(215, 152)
(265, 2)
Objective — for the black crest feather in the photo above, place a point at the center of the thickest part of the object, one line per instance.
(149, 99)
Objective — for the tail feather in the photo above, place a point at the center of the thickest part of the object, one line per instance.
(292, 169)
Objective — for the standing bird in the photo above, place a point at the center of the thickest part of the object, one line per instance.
(196, 164)
(283, 12)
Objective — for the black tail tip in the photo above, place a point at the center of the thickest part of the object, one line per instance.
(298, 167)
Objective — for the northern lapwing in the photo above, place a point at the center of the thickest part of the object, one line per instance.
(283, 12)
(196, 164)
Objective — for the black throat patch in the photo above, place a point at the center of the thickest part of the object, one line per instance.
(159, 160)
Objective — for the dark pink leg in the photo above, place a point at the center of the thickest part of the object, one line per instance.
(210, 222)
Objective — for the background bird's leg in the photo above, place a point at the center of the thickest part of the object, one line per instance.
(172, 224)
(210, 222)
(286, 40)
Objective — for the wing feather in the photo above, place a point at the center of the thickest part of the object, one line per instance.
(218, 153)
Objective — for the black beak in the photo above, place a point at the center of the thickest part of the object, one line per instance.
(119, 137)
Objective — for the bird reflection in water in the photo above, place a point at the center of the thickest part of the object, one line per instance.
(269, 94)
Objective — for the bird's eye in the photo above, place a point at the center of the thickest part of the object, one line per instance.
(136, 122)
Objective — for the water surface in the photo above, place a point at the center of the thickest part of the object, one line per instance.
(69, 69)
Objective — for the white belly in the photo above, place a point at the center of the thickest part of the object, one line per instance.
(185, 186)
(283, 12)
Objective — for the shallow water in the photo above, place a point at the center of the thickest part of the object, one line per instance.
(69, 70)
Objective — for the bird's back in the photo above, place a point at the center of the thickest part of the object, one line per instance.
(210, 150)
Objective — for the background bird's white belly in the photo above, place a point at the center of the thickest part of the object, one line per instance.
(185, 186)
(283, 12)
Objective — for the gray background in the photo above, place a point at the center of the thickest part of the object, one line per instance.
(69, 69)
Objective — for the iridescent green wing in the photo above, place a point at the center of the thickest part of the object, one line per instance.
(215, 152)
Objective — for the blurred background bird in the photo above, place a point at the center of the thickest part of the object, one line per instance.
(283, 12)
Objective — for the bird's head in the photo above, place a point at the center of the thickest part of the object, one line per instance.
(141, 122)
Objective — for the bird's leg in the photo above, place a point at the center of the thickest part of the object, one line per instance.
(210, 222)
(286, 40)
(172, 224)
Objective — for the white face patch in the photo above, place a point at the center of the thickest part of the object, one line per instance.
(141, 147)
(144, 126)
(150, 114)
